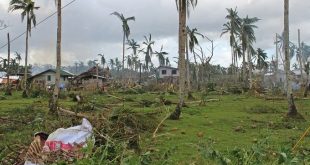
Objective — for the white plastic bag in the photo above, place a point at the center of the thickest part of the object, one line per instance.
(27, 162)
(66, 138)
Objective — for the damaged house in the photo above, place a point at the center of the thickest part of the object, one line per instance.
(92, 79)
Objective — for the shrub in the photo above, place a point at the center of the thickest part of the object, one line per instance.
(211, 86)
(234, 90)
(62, 95)
(258, 153)
(34, 93)
(2, 98)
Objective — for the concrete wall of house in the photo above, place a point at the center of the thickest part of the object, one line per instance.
(51, 81)
(168, 72)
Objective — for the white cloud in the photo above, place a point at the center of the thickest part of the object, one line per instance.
(89, 29)
(4, 4)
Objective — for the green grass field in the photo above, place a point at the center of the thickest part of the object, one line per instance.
(235, 121)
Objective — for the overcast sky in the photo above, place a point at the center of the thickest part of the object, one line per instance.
(89, 29)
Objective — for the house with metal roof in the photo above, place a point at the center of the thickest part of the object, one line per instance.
(47, 78)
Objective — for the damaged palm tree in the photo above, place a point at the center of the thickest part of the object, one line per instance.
(8, 90)
(292, 111)
(27, 7)
(183, 8)
(191, 42)
(53, 106)
(126, 33)
(307, 69)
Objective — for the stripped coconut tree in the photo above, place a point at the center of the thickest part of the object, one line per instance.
(54, 103)
(183, 8)
(292, 110)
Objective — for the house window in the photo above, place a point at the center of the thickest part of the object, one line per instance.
(163, 72)
(49, 78)
(174, 71)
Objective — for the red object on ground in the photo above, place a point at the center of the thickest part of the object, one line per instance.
(58, 145)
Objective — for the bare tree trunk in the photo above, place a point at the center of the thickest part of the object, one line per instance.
(277, 59)
(300, 59)
(244, 75)
(232, 61)
(205, 76)
(8, 91)
(306, 86)
(140, 73)
(182, 41)
(307, 80)
(250, 64)
(122, 75)
(236, 67)
(188, 69)
(18, 67)
(53, 107)
(292, 111)
(196, 71)
(25, 92)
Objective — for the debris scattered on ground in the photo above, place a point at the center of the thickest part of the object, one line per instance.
(239, 129)
(253, 126)
(64, 142)
(200, 134)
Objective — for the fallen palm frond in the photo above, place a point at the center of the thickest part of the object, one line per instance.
(161, 122)
(74, 113)
(15, 154)
(120, 126)
(122, 99)
(301, 138)
(208, 100)
(275, 98)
